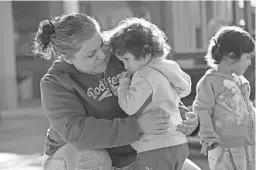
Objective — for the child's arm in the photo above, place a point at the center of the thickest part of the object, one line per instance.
(203, 106)
(133, 95)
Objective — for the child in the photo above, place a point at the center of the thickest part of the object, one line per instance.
(156, 84)
(226, 113)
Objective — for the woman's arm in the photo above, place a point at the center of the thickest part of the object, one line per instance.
(67, 116)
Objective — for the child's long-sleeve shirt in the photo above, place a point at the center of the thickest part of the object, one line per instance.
(158, 85)
(225, 111)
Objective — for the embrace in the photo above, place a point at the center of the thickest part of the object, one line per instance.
(106, 111)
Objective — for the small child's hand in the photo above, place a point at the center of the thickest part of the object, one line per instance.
(125, 74)
(206, 147)
(188, 125)
(125, 78)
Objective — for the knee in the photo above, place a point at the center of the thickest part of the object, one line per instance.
(93, 159)
(68, 157)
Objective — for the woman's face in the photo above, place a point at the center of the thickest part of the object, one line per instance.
(90, 58)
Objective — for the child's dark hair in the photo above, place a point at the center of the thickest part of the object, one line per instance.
(138, 37)
(229, 39)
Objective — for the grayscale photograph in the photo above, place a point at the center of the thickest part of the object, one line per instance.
(127, 85)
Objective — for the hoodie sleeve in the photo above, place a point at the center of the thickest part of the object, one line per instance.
(132, 97)
(67, 116)
(203, 106)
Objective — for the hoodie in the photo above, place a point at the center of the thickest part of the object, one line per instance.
(158, 85)
(83, 110)
(227, 116)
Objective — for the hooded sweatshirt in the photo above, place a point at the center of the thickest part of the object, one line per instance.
(227, 116)
(83, 110)
(158, 85)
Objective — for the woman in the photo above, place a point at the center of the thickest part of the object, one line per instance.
(88, 130)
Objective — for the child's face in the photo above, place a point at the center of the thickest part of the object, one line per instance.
(132, 65)
(241, 65)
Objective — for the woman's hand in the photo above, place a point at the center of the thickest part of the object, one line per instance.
(154, 122)
(189, 125)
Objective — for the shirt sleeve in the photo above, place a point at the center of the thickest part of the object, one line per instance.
(67, 116)
(203, 106)
(134, 96)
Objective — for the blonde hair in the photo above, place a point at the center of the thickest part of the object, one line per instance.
(62, 36)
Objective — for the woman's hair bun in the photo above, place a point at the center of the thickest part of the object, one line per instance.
(47, 31)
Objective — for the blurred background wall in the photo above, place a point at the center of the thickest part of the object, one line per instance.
(188, 25)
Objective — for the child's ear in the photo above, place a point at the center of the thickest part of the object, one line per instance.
(232, 57)
(146, 50)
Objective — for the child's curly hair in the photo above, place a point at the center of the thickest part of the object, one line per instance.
(138, 37)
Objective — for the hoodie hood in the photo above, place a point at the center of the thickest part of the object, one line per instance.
(62, 67)
(172, 71)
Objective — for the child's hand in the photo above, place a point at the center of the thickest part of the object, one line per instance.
(125, 74)
(125, 78)
(206, 147)
(188, 125)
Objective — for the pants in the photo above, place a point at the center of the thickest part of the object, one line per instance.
(69, 158)
(171, 158)
(240, 158)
